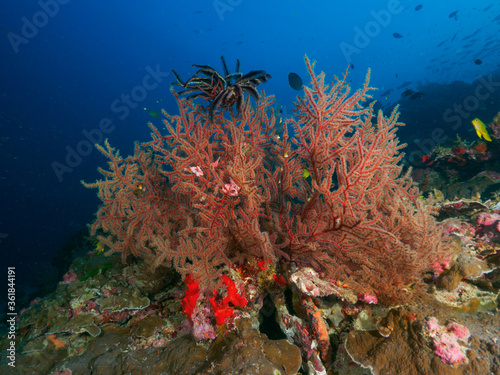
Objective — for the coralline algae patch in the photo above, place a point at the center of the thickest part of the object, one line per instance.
(449, 341)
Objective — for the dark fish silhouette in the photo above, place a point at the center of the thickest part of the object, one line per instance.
(416, 95)
(404, 84)
(295, 81)
(407, 92)
(453, 15)
(478, 61)
(397, 35)
(418, 7)
(471, 35)
(385, 93)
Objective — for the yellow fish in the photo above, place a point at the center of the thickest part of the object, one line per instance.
(481, 129)
(306, 173)
(99, 247)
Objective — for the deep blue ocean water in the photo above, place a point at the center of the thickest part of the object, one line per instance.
(75, 72)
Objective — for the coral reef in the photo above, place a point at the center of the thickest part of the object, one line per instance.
(251, 248)
(419, 347)
(463, 168)
(217, 191)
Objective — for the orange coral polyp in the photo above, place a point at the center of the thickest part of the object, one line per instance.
(57, 342)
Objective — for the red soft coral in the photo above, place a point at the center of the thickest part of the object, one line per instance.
(232, 293)
(221, 310)
(191, 296)
(225, 308)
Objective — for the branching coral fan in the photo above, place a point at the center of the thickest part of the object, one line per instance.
(216, 191)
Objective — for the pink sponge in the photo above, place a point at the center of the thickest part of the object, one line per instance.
(459, 331)
(487, 219)
(446, 340)
(448, 349)
(432, 326)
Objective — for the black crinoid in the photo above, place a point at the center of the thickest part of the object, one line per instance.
(222, 91)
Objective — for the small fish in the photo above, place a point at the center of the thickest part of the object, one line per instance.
(295, 81)
(481, 131)
(99, 248)
(473, 34)
(407, 92)
(351, 66)
(418, 7)
(306, 173)
(404, 84)
(153, 113)
(453, 15)
(140, 190)
(385, 93)
(416, 95)
(478, 61)
(397, 35)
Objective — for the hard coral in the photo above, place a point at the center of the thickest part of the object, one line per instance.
(405, 351)
(464, 267)
(249, 352)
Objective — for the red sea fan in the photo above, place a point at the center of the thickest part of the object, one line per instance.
(212, 192)
(358, 218)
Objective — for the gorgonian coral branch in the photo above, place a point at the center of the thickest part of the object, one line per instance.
(326, 191)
